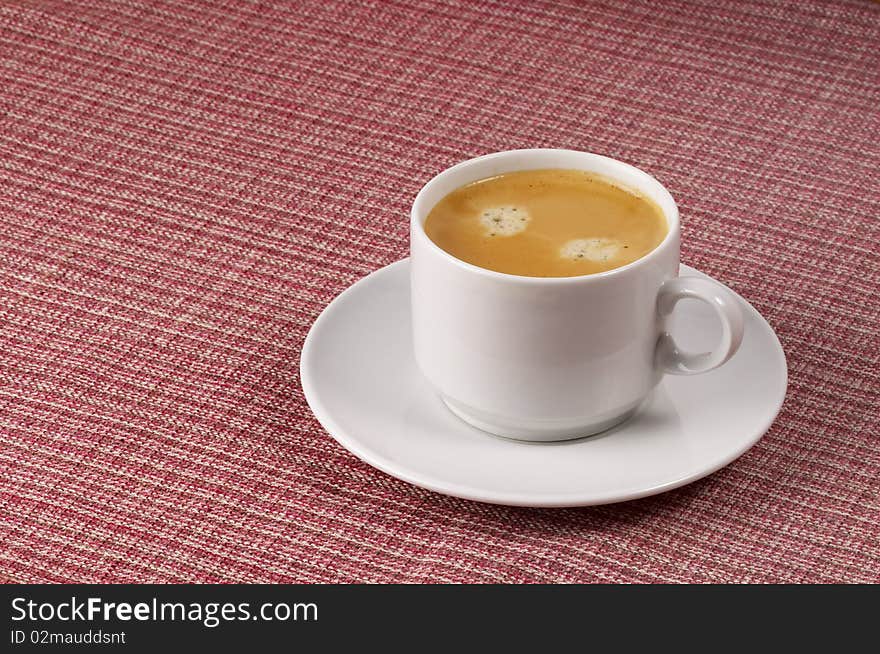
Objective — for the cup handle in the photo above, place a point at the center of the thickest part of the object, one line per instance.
(677, 362)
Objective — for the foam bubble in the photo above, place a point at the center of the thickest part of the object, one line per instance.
(504, 221)
(599, 250)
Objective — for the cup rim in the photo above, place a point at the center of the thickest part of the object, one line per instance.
(417, 224)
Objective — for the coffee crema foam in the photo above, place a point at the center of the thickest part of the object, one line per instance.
(546, 223)
(504, 221)
(600, 250)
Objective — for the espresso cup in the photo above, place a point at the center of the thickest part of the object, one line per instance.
(553, 358)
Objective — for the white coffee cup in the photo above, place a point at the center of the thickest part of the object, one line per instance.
(553, 358)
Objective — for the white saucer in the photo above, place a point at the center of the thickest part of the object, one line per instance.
(360, 379)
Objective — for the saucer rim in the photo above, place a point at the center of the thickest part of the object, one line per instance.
(566, 500)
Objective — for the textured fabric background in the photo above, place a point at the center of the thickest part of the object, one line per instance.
(184, 187)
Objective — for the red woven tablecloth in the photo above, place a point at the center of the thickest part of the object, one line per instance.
(184, 187)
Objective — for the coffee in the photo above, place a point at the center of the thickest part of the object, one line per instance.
(546, 223)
